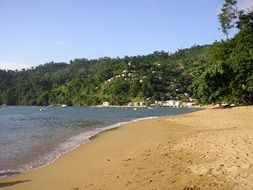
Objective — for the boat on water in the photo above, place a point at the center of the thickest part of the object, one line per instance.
(3, 105)
(64, 106)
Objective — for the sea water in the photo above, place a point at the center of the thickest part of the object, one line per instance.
(32, 137)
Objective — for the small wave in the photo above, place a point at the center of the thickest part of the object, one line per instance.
(63, 148)
(7, 173)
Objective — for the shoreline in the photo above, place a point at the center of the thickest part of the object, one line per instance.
(94, 134)
(73, 141)
(208, 149)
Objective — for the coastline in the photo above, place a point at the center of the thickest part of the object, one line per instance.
(86, 138)
(209, 149)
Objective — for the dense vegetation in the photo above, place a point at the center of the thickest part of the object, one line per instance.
(227, 76)
(157, 76)
(217, 73)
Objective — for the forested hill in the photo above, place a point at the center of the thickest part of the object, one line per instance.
(157, 76)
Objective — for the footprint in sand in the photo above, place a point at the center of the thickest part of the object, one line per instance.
(192, 188)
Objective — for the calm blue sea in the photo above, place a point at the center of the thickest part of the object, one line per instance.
(30, 138)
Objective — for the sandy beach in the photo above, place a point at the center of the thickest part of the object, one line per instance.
(209, 149)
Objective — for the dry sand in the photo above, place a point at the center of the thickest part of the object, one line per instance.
(210, 149)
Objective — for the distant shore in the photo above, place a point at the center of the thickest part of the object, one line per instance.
(209, 149)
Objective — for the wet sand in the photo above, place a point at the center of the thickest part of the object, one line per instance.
(210, 149)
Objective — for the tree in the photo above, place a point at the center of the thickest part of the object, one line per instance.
(229, 16)
(228, 75)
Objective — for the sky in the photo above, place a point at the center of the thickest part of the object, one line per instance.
(35, 32)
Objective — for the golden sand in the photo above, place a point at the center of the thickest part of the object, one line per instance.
(210, 149)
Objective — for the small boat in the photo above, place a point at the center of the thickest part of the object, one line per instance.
(3, 105)
(135, 108)
(150, 108)
(64, 106)
(42, 109)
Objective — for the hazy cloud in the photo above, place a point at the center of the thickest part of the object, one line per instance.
(12, 65)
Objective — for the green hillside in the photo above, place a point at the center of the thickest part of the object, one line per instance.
(157, 76)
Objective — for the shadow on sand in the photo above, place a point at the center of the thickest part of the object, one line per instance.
(6, 184)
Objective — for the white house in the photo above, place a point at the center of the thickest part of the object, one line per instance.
(106, 104)
(189, 104)
(170, 103)
(130, 104)
(159, 103)
(142, 104)
(177, 104)
(136, 104)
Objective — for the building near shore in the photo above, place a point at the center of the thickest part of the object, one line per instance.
(159, 103)
(130, 104)
(106, 104)
(178, 104)
(136, 104)
(142, 104)
(189, 104)
(170, 103)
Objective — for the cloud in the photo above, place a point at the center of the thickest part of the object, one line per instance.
(245, 5)
(12, 65)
